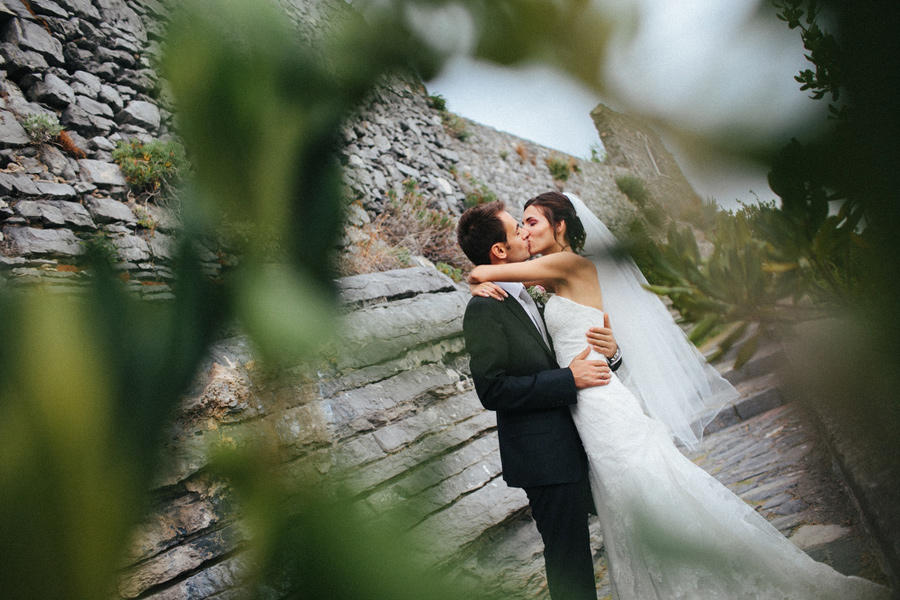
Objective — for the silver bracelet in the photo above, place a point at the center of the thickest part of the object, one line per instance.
(614, 357)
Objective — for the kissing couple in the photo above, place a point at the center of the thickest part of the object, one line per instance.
(581, 438)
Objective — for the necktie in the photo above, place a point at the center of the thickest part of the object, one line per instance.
(531, 308)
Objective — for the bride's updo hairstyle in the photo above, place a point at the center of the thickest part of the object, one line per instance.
(557, 208)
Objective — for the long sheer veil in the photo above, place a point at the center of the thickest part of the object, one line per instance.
(660, 365)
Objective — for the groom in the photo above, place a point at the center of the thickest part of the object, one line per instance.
(516, 375)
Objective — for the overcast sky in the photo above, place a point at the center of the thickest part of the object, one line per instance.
(701, 64)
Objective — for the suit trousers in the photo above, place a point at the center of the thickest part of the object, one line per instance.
(561, 514)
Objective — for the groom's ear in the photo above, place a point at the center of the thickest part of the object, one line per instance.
(499, 251)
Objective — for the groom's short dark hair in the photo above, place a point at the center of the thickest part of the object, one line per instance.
(480, 228)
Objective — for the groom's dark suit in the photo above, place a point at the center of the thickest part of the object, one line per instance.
(516, 375)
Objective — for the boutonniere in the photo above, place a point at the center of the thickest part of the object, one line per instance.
(538, 294)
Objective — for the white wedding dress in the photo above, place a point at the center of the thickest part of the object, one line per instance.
(670, 530)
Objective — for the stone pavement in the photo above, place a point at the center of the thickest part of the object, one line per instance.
(777, 463)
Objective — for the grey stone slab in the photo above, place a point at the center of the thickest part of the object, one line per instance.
(391, 285)
(57, 191)
(441, 536)
(31, 36)
(18, 61)
(383, 332)
(11, 131)
(161, 245)
(93, 107)
(211, 582)
(90, 83)
(18, 184)
(56, 213)
(77, 117)
(365, 408)
(52, 91)
(82, 8)
(107, 210)
(131, 248)
(140, 113)
(759, 403)
(101, 173)
(30, 241)
(47, 7)
(179, 560)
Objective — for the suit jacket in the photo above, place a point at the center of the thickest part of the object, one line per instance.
(516, 375)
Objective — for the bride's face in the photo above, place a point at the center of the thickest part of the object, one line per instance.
(542, 239)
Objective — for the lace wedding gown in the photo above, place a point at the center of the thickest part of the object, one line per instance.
(670, 530)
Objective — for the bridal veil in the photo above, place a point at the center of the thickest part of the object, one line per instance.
(661, 366)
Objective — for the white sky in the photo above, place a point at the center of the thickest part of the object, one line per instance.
(703, 65)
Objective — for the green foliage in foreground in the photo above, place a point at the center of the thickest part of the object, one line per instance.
(775, 266)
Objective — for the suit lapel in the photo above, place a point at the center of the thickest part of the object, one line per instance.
(517, 309)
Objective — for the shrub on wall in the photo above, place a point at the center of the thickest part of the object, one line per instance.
(151, 168)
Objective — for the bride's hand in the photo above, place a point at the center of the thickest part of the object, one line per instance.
(488, 290)
(601, 338)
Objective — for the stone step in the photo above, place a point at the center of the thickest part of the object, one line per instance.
(758, 395)
(767, 359)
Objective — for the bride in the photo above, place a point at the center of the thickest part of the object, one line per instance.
(670, 530)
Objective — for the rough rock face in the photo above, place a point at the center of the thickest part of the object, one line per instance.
(393, 416)
(399, 403)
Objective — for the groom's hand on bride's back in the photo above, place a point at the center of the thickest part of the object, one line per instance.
(589, 373)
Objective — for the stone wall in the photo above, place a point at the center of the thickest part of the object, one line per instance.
(393, 416)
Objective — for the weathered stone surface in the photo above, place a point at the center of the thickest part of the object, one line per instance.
(82, 8)
(131, 248)
(110, 96)
(52, 91)
(161, 246)
(441, 536)
(29, 241)
(56, 213)
(178, 560)
(215, 580)
(11, 131)
(18, 61)
(361, 290)
(84, 121)
(101, 173)
(48, 7)
(107, 210)
(31, 36)
(86, 84)
(373, 405)
(57, 191)
(93, 107)
(409, 323)
(140, 113)
(172, 522)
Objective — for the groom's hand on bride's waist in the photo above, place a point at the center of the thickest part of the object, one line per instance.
(589, 373)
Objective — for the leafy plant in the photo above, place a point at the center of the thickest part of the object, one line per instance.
(41, 127)
(477, 192)
(152, 168)
(437, 102)
(598, 153)
(633, 187)
(453, 125)
(454, 273)
(561, 167)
